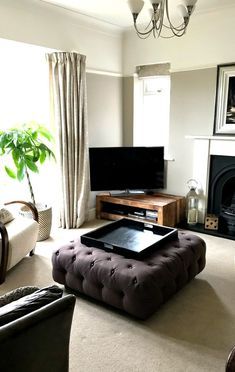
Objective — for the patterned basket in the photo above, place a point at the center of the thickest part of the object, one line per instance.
(44, 219)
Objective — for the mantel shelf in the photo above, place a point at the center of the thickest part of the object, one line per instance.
(214, 138)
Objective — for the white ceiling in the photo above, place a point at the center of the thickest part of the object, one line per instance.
(116, 12)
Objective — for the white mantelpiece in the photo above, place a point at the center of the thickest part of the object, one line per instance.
(204, 147)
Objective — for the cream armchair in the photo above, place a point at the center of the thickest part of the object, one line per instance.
(17, 238)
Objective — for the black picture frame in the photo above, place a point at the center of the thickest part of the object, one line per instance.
(224, 123)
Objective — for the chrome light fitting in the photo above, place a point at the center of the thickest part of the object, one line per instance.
(160, 24)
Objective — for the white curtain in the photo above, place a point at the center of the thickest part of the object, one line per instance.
(68, 88)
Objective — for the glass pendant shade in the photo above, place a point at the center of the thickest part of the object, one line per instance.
(135, 6)
(182, 10)
(190, 2)
(155, 1)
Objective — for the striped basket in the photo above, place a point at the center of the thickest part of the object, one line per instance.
(44, 219)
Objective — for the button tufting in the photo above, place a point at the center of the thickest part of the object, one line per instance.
(57, 253)
(89, 253)
(135, 281)
(129, 266)
(73, 258)
(91, 264)
(72, 247)
(112, 271)
(71, 241)
(108, 258)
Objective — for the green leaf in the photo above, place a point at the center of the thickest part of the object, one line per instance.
(34, 135)
(31, 165)
(43, 156)
(36, 154)
(15, 138)
(16, 156)
(10, 172)
(45, 133)
(21, 171)
(3, 141)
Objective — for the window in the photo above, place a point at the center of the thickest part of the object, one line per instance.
(24, 89)
(24, 97)
(152, 109)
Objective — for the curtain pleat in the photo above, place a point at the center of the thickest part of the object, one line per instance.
(68, 83)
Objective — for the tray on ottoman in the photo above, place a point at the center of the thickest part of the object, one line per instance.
(129, 238)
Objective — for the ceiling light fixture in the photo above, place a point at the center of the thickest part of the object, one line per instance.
(160, 24)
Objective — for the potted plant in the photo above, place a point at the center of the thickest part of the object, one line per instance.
(26, 147)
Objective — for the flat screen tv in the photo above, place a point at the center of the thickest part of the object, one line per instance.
(126, 168)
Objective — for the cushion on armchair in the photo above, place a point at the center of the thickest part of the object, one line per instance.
(15, 294)
(28, 303)
(5, 216)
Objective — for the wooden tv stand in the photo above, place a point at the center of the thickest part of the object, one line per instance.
(163, 209)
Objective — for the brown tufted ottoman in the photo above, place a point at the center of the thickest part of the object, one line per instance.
(137, 287)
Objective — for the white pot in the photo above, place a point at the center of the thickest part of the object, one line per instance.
(44, 219)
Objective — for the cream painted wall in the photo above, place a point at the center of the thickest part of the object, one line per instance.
(104, 97)
(209, 41)
(192, 113)
(128, 108)
(38, 23)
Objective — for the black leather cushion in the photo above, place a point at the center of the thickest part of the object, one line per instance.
(29, 303)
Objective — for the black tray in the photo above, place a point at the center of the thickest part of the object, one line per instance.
(128, 237)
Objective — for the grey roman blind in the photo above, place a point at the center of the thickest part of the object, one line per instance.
(153, 70)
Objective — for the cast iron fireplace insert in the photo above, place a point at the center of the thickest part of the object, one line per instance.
(221, 192)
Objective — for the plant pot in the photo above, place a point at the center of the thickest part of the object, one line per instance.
(44, 219)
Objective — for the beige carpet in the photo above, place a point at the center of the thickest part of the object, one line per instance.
(193, 332)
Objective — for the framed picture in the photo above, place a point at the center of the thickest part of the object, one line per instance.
(225, 100)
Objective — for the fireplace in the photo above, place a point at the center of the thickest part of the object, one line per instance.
(221, 191)
(214, 169)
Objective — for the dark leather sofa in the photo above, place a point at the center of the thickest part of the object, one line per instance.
(39, 340)
(230, 365)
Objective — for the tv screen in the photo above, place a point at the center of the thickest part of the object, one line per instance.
(126, 168)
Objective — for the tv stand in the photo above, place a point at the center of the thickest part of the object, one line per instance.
(162, 209)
